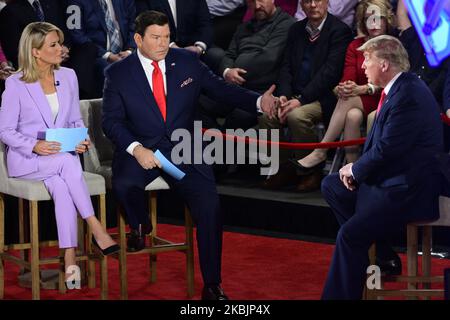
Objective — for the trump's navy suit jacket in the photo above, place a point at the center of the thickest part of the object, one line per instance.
(130, 112)
(398, 168)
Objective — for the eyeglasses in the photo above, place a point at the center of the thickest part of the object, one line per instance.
(308, 2)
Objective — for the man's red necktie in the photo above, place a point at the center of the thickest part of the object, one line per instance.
(158, 89)
(383, 95)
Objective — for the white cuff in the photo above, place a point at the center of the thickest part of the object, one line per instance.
(258, 105)
(106, 55)
(131, 147)
(225, 72)
(171, 44)
(201, 45)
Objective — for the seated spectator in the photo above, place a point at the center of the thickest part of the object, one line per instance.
(312, 67)
(109, 25)
(31, 105)
(189, 22)
(342, 9)
(357, 97)
(19, 13)
(252, 60)
(226, 16)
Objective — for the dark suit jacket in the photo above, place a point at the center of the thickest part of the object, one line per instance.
(327, 67)
(93, 25)
(19, 13)
(398, 165)
(130, 112)
(193, 20)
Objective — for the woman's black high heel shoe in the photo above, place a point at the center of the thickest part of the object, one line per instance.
(307, 171)
(107, 251)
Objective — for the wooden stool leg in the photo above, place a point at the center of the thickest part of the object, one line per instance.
(122, 256)
(104, 260)
(153, 219)
(34, 231)
(2, 246)
(411, 236)
(25, 253)
(189, 252)
(426, 254)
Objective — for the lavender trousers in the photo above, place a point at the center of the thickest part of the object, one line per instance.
(63, 177)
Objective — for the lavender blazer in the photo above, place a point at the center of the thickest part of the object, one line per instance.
(25, 115)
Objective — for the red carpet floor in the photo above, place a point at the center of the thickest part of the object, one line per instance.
(254, 268)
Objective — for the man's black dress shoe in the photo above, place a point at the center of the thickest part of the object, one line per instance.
(307, 171)
(107, 251)
(390, 267)
(213, 293)
(136, 241)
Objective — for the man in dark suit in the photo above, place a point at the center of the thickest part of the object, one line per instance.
(312, 67)
(148, 96)
(109, 25)
(19, 13)
(189, 20)
(396, 180)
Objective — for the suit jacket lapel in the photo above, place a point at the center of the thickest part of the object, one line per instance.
(63, 100)
(100, 15)
(386, 105)
(37, 94)
(137, 71)
(171, 85)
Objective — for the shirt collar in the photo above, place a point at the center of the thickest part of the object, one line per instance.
(391, 83)
(147, 63)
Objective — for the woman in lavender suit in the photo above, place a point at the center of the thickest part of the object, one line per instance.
(39, 96)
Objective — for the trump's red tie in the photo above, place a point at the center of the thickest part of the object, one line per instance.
(158, 89)
(383, 95)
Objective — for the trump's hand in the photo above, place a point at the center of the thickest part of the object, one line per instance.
(146, 158)
(269, 102)
(83, 146)
(46, 148)
(345, 174)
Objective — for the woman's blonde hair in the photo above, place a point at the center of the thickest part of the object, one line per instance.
(381, 7)
(33, 37)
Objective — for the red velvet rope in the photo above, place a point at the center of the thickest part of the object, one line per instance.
(296, 146)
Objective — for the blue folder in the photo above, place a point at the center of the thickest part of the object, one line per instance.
(168, 167)
(68, 137)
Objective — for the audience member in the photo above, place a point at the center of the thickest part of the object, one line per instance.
(109, 25)
(189, 21)
(226, 16)
(342, 9)
(252, 61)
(312, 67)
(357, 96)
